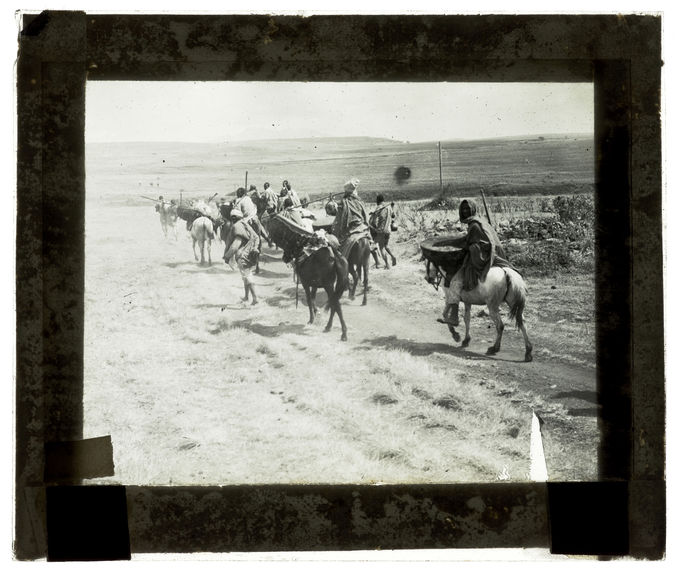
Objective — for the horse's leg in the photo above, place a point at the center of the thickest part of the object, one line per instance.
(467, 321)
(209, 256)
(354, 280)
(366, 266)
(335, 307)
(309, 302)
(528, 357)
(195, 254)
(338, 308)
(494, 312)
(313, 299)
(456, 336)
(329, 291)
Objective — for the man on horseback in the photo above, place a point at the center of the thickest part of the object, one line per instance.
(245, 203)
(270, 199)
(290, 192)
(245, 244)
(483, 251)
(351, 222)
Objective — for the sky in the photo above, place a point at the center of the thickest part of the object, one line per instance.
(407, 111)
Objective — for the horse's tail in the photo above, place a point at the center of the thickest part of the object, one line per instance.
(209, 230)
(516, 296)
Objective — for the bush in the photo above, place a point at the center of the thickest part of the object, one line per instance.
(540, 235)
(575, 209)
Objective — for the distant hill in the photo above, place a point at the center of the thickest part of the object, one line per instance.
(547, 164)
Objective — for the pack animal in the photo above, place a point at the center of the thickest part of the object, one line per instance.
(202, 234)
(324, 268)
(501, 285)
(168, 218)
(359, 263)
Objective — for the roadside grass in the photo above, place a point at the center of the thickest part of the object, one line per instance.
(331, 422)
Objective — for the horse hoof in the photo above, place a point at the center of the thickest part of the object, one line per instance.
(528, 357)
(344, 338)
(364, 303)
(326, 329)
(456, 336)
(465, 343)
(491, 350)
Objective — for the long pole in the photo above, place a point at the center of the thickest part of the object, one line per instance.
(440, 170)
(483, 196)
(246, 180)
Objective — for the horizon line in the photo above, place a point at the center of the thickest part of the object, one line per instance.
(333, 137)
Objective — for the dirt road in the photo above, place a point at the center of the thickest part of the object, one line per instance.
(196, 387)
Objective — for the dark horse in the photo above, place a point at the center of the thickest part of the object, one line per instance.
(359, 263)
(324, 267)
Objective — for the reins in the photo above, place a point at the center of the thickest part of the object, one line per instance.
(439, 275)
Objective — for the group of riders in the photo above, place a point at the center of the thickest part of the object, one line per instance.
(251, 209)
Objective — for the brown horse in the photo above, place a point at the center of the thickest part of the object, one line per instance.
(359, 263)
(325, 268)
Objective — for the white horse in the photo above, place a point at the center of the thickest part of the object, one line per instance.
(168, 218)
(502, 284)
(202, 232)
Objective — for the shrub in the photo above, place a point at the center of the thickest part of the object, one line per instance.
(540, 235)
(574, 209)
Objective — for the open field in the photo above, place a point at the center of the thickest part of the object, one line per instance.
(196, 388)
(547, 166)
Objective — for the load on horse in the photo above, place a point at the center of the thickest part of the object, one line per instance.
(317, 261)
(474, 271)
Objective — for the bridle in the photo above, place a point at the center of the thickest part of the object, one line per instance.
(435, 282)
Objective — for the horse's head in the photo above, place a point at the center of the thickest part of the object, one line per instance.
(433, 274)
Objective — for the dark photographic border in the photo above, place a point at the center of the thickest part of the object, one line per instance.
(621, 514)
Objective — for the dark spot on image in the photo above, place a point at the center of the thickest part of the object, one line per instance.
(402, 174)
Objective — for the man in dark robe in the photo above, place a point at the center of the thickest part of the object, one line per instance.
(351, 222)
(484, 250)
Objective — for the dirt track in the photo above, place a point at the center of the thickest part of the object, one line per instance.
(161, 330)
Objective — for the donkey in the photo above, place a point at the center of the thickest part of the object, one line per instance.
(202, 232)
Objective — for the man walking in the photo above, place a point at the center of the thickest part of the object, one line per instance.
(381, 221)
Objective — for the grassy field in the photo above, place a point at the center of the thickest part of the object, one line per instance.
(119, 173)
(196, 388)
